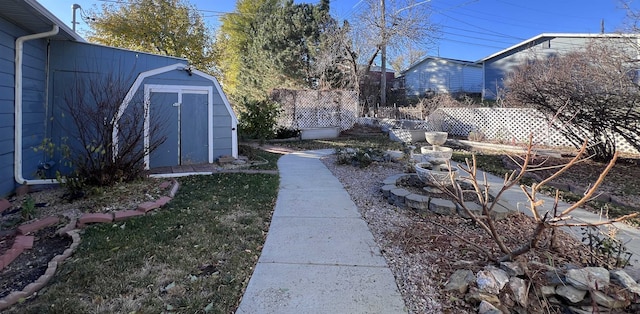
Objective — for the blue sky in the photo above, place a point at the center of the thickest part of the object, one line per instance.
(470, 29)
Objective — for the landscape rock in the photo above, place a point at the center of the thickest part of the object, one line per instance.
(416, 201)
(546, 291)
(442, 206)
(554, 277)
(604, 300)
(396, 196)
(491, 280)
(385, 189)
(460, 281)
(488, 308)
(621, 277)
(513, 268)
(596, 278)
(520, 290)
(583, 310)
(571, 293)
(498, 213)
(472, 207)
(476, 296)
(500, 275)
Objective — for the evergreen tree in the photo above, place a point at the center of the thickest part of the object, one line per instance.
(272, 44)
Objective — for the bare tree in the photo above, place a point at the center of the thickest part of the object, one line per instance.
(591, 94)
(392, 25)
(92, 106)
(333, 61)
(411, 55)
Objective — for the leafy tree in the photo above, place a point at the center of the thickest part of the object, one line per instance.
(234, 36)
(272, 44)
(167, 27)
(591, 94)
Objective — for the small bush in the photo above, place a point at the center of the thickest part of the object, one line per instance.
(604, 250)
(258, 119)
(28, 210)
(359, 157)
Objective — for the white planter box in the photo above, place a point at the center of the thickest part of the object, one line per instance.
(319, 133)
(404, 135)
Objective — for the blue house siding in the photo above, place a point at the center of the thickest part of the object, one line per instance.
(442, 75)
(222, 124)
(34, 106)
(52, 66)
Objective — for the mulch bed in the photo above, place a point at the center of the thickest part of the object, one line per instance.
(32, 263)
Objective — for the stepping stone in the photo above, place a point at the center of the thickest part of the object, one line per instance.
(4, 204)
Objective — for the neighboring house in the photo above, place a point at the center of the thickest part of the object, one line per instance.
(41, 59)
(375, 73)
(497, 66)
(436, 75)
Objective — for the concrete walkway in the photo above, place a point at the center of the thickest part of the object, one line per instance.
(319, 256)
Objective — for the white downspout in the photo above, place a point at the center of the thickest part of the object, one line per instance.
(17, 163)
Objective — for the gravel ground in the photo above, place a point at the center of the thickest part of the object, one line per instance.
(423, 250)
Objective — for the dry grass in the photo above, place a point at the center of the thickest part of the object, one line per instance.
(195, 255)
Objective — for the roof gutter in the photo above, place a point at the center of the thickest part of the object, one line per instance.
(17, 164)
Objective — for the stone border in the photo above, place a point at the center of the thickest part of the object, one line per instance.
(24, 241)
(421, 203)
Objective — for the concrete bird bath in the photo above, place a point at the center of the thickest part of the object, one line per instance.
(434, 169)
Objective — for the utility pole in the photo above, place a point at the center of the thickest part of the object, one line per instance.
(383, 57)
(74, 7)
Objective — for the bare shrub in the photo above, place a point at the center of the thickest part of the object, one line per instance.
(587, 94)
(93, 107)
(544, 222)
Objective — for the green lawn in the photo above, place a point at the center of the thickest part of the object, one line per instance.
(194, 256)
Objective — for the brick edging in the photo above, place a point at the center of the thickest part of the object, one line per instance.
(16, 296)
(72, 230)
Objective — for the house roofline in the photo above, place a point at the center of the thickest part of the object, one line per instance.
(136, 51)
(54, 20)
(464, 62)
(556, 35)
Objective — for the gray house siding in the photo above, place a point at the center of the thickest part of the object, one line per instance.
(441, 75)
(497, 67)
(34, 109)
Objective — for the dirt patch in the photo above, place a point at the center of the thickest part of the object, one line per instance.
(32, 263)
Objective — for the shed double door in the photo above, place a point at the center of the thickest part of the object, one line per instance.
(183, 117)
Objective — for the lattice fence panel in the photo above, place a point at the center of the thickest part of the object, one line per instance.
(312, 109)
(506, 124)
